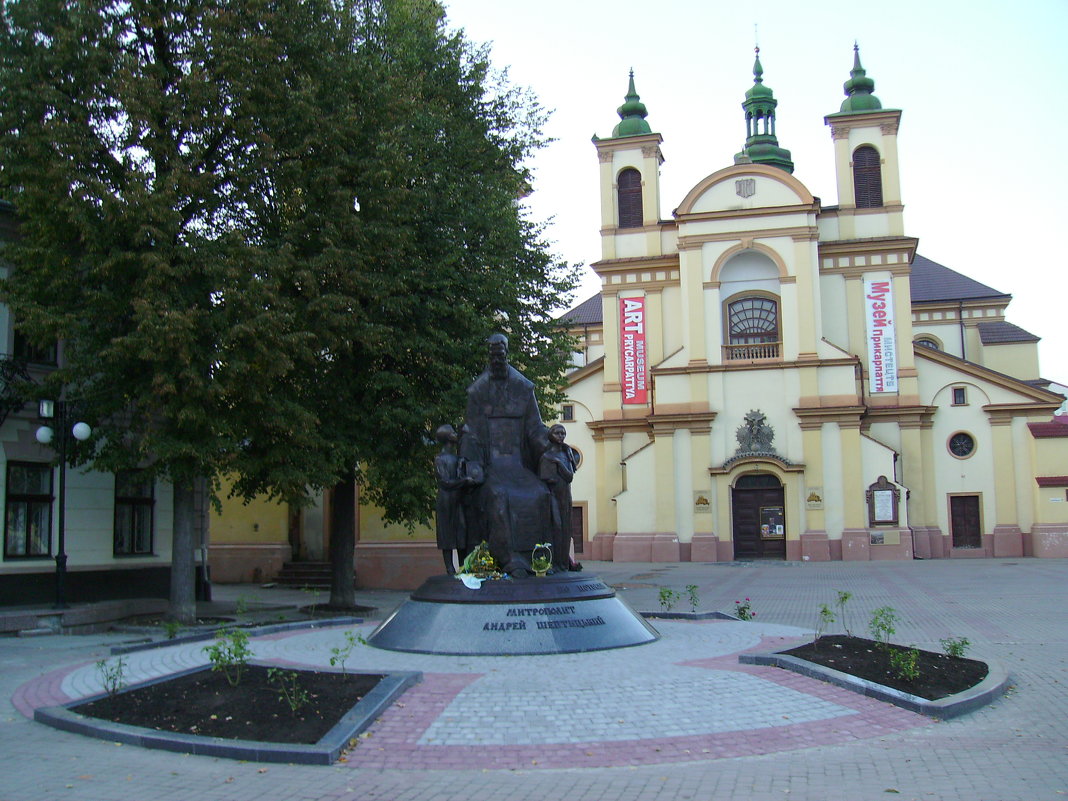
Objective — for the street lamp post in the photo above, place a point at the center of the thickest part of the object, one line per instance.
(60, 414)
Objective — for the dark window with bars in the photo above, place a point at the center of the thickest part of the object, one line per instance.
(753, 328)
(867, 178)
(134, 505)
(28, 521)
(630, 198)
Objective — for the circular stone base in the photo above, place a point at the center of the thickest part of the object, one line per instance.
(560, 614)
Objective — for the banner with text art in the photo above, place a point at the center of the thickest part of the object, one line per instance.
(633, 369)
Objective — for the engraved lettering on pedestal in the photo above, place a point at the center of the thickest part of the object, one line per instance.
(580, 623)
(511, 625)
(548, 610)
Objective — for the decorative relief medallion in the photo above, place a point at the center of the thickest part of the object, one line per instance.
(745, 187)
(755, 435)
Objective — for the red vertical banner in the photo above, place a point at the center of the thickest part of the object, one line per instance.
(633, 368)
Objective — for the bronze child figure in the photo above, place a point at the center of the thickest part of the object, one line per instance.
(557, 469)
(451, 526)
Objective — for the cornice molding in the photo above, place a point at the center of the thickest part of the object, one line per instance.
(798, 233)
(704, 367)
(695, 422)
(733, 214)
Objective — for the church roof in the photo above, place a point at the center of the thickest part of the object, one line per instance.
(858, 89)
(932, 282)
(586, 313)
(1001, 333)
(632, 114)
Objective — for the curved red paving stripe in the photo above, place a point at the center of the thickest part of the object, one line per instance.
(44, 690)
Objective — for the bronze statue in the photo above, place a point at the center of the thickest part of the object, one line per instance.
(557, 469)
(449, 512)
(504, 438)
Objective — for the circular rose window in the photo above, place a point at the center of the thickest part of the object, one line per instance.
(962, 445)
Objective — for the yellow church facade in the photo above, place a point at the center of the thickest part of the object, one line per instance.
(766, 376)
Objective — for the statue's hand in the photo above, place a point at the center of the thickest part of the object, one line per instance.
(475, 474)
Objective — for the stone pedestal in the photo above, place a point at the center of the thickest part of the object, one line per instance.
(560, 614)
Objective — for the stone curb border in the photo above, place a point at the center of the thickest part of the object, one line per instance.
(690, 616)
(324, 752)
(253, 631)
(983, 693)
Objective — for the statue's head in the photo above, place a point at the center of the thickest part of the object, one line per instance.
(445, 434)
(557, 433)
(498, 355)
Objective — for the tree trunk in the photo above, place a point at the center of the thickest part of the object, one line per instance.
(183, 546)
(343, 544)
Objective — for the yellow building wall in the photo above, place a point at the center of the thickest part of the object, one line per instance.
(1019, 360)
(373, 528)
(255, 521)
(248, 542)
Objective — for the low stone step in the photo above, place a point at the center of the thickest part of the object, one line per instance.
(38, 632)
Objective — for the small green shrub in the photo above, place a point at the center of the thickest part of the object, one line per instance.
(840, 603)
(314, 592)
(955, 647)
(289, 689)
(241, 605)
(668, 598)
(171, 628)
(882, 625)
(743, 610)
(691, 592)
(905, 664)
(823, 621)
(113, 675)
(230, 654)
(341, 653)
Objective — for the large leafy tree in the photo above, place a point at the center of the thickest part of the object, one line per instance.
(271, 236)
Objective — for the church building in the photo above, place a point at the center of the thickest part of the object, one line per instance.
(766, 376)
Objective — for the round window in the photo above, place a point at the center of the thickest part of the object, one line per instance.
(962, 445)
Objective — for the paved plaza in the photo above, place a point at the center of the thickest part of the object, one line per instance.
(676, 719)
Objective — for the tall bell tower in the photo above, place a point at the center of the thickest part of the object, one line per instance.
(761, 143)
(866, 161)
(630, 182)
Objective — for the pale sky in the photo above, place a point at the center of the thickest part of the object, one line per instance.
(981, 85)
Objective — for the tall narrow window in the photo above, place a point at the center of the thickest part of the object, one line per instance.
(867, 178)
(27, 352)
(753, 329)
(134, 503)
(630, 198)
(28, 522)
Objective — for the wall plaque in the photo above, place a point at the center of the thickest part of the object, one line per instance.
(884, 500)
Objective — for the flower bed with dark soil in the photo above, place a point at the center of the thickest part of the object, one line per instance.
(205, 704)
(939, 675)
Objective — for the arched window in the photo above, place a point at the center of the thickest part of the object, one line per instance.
(758, 481)
(753, 328)
(630, 198)
(928, 342)
(867, 178)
